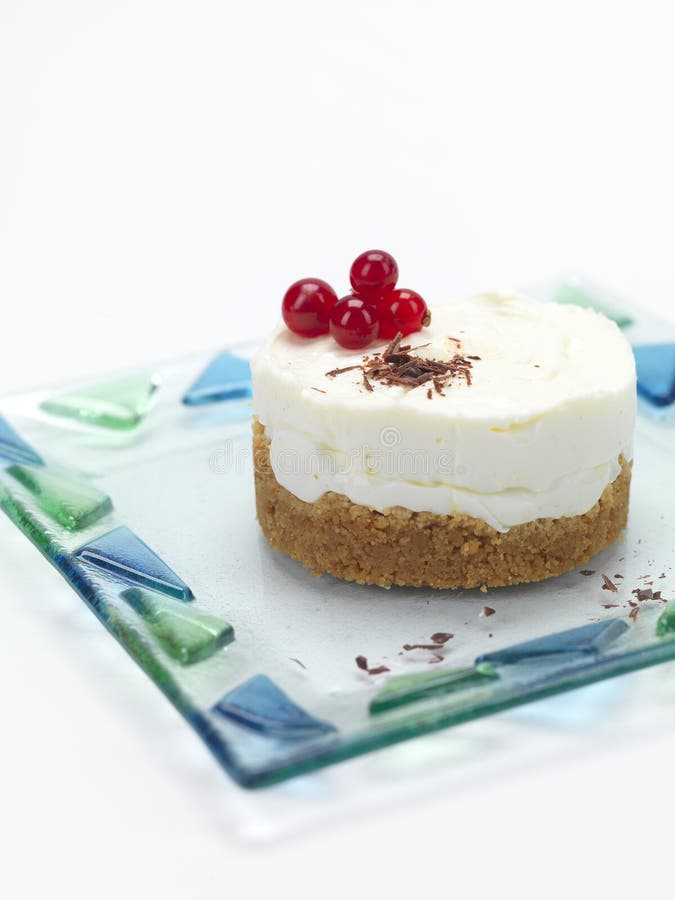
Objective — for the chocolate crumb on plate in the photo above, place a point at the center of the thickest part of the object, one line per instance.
(488, 611)
(441, 637)
(634, 613)
(609, 605)
(362, 663)
(423, 646)
(643, 593)
(608, 584)
(587, 572)
(301, 664)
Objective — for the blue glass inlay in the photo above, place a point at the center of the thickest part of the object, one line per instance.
(225, 378)
(259, 704)
(123, 554)
(14, 449)
(587, 639)
(655, 364)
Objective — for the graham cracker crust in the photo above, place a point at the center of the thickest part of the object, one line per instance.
(421, 549)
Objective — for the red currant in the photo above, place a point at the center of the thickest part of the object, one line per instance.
(401, 310)
(373, 273)
(353, 322)
(306, 306)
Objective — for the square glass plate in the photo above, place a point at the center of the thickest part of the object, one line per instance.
(257, 654)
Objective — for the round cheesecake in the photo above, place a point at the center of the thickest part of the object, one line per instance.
(493, 447)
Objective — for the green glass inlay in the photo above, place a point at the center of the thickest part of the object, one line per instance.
(571, 292)
(144, 655)
(408, 688)
(72, 504)
(184, 632)
(34, 530)
(666, 621)
(119, 404)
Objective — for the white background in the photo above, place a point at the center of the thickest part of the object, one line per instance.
(166, 169)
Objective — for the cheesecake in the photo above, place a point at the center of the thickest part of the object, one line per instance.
(492, 447)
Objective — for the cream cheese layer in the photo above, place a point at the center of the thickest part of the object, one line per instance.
(538, 432)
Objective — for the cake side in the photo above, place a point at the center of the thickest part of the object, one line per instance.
(422, 549)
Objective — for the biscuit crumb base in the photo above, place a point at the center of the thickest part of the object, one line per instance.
(422, 549)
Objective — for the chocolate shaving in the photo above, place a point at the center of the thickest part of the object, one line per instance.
(334, 372)
(362, 663)
(646, 594)
(609, 605)
(634, 613)
(423, 646)
(435, 659)
(441, 637)
(608, 584)
(587, 572)
(301, 664)
(397, 365)
(618, 576)
(657, 595)
(429, 394)
(488, 611)
(318, 390)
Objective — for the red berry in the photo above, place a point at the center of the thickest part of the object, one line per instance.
(373, 273)
(353, 322)
(401, 310)
(306, 306)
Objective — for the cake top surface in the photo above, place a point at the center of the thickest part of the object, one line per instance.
(511, 358)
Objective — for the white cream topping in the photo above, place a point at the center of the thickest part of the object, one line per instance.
(538, 433)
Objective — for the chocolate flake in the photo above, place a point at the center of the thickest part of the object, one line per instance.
(488, 611)
(435, 659)
(657, 595)
(423, 646)
(334, 372)
(618, 576)
(362, 663)
(587, 572)
(318, 390)
(301, 664)
(643, 594)
(634, 613)
(608, 584)
(441, 637)
(609, 605)
(367, 385)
